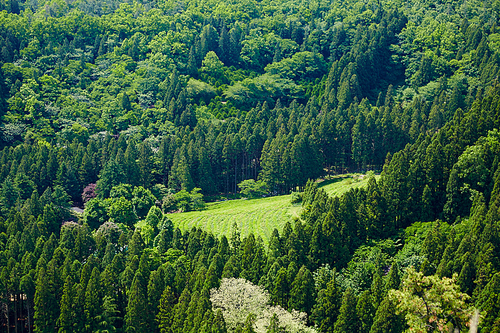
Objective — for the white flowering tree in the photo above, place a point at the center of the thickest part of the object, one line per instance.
(237, 298)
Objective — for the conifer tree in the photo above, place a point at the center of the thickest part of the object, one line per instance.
(219, 325)
(489, 302)
(365, 311)
(165, 310)
(45, 303)
(93, 296)
(326, 309)
(302, 291)
(66, 321)
(386, 320)
(136, 319)
(347, 321)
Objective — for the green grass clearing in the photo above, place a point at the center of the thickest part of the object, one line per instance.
(340, 184)
(258, 216)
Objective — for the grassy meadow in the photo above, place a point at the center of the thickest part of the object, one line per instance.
(340, 184)
(258, 216)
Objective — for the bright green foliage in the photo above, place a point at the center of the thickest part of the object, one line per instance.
(66, 319)
(165, 314)
(110, 176)
(46, 308)
(431, 304)
(253, 189)
(365, 312)
(95, 213)
(489, 303)
(141, 96)
(142, 200)
(121, 211)
(301, 66)
(106, 320)
(93, 306)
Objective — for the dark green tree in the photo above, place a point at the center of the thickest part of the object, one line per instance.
(136, 318)
(347, 321)
(302, 291)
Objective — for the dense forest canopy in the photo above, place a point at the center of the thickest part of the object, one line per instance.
(135, 110)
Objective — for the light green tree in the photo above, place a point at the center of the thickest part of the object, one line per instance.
(431, 304)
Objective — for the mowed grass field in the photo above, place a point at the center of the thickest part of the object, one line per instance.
(258, 216)
(340, 184)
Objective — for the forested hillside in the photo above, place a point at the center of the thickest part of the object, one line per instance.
(134, 111)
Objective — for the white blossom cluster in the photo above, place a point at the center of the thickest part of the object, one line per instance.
(237, 298)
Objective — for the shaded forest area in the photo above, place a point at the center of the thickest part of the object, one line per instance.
(134, 110)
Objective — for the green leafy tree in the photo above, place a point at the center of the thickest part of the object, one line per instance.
(253, 189)
(121, 211)
(432, 304)
(142, 200)
(95, 213)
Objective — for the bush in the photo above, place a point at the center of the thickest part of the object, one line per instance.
(296, 198)
(184, 201)
(253, 189)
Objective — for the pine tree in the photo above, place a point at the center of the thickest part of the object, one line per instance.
(93, 296)
(386, 320)
(66, 321)
(125, 102)
(45, 304)
(179, 311)
(393, 278)
(326, 309)
(347, 321)
(302, 291)
(145, 165)
(111, 175)
(165, 310)
(365, 311)
(156, 286)
(137, 308)
(489, 302)
(219, 325)
(130, 166)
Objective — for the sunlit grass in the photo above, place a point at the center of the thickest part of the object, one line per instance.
(340, 184)
(257, 216)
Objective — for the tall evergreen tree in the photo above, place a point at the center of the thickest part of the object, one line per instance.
(136, 319)
(347, 321)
